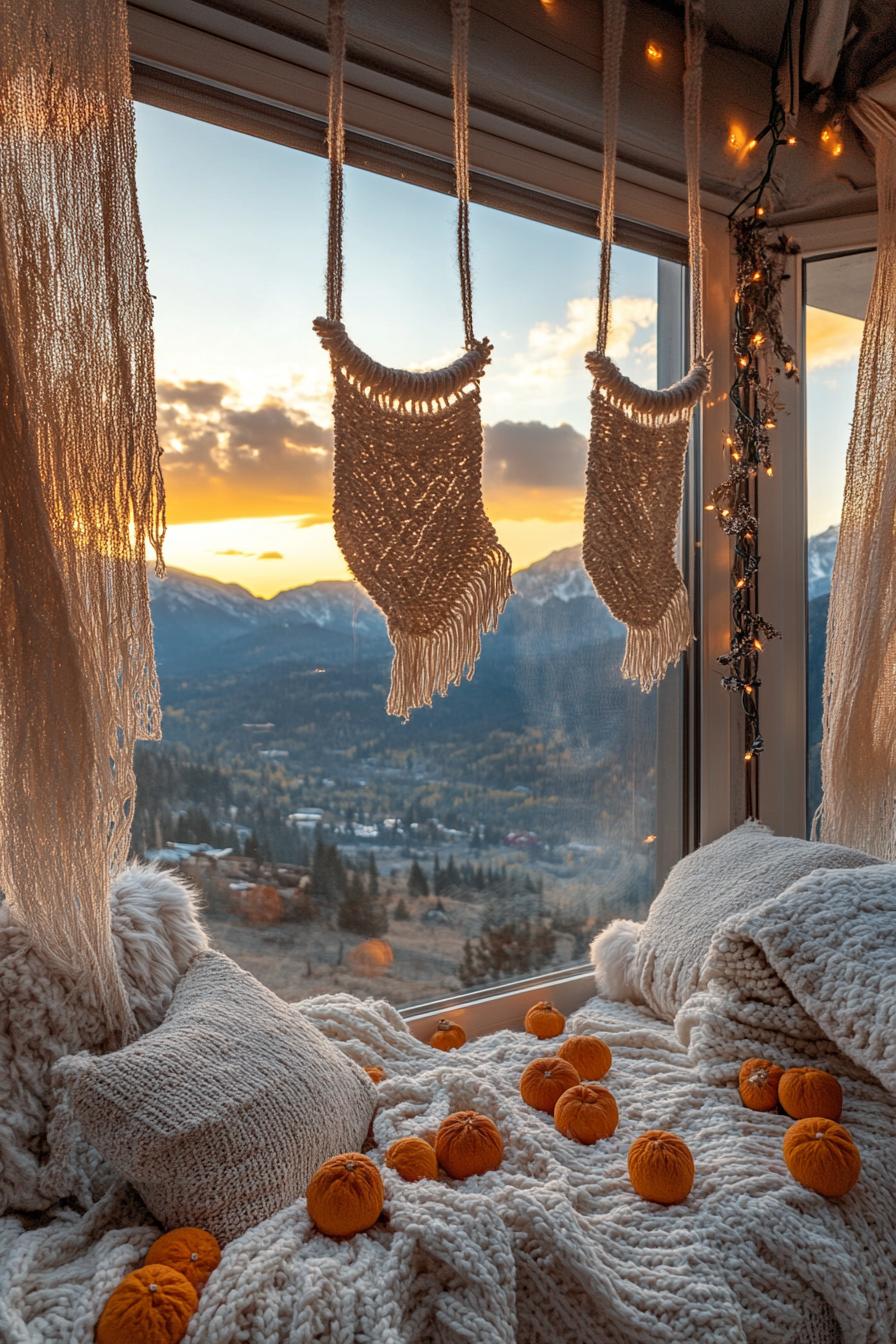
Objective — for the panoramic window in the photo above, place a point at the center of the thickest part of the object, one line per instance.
(334, 847)
(836, 291)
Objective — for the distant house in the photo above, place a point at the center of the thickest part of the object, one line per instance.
(306, 820)
(521, 840)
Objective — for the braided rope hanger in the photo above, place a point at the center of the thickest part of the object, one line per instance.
(639, 435)
(407, 468)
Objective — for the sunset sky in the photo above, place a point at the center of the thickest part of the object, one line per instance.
(235, 232)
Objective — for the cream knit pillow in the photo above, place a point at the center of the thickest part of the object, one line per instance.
(220, 1117)
(659, 963)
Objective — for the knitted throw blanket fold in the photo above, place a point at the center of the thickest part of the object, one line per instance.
(407, 506)
(408, 511)
(639, 437)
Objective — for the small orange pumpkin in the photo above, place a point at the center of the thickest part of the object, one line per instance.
(544, 1021)
(413, 1159)
(469, 1144)
(152, 1305)
(806, 1093)
(586, 1113)
(661, 1167)
(345, 1195)
(545, 1080)
(589, 1056)
(448, 1035)
(375, 1073)
(821, 1155)
(192, 1251)
(758, 1084)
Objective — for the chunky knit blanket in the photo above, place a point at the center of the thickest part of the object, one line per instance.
(555, 1246)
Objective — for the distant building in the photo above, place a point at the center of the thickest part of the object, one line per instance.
(521, 840)
(306, 820)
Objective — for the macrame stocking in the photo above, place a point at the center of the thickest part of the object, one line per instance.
(408, 510)
(80, 487)
(639, 437)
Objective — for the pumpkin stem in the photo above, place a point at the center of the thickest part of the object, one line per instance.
(349, 1166)
(444, 1024)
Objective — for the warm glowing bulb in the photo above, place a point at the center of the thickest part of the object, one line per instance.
(736, 456)
(838, 149)
(825, 135)
(760, 209)
(791, 140)
(749, 690)
(751, 145)
(743, 361)
(728, 440)
(654, 53)
(769, 472)
(732, 139)
(757, 645)
(726, 513)
(748, 755)
(741, 583)
(788, 365)
(757, 275)
(757, 339)
(709, 508)
(649, 839)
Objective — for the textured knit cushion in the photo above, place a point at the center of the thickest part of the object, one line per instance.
(221, 1116)
(659, 963)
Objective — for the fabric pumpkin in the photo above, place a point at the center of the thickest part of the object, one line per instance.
(413, 1159)
(586, 1113)
(545, 1080)
(345, 1195)
(151, 1306)
(821, 1155)
(375, 1073)
(589, 1056)
(661, 1167)
(758, 1084)
(448, 1036)
(469, 1144)
(544, 1021)
(192, 1251)
(805, 1093)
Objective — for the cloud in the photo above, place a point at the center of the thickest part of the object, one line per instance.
(226, 460)
(831, 338)
(551, 349)
(533, 470)
(270, 555)
(231, 551)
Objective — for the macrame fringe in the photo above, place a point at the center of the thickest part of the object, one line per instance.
(426, 663)
(650, 650)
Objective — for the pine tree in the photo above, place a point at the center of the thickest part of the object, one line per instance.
(252, 849)
(417, 883)
(438, 877)
(373, 877)
(401, 910)
(359, 912)
(452, 875)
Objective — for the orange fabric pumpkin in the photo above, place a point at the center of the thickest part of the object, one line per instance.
(589, 1056)
(544, 1021)
(468, 1144)
(821, 1155)
(586, 1113)
(413, 1159)
(661, 1167)
(805, 1093)
(545, 1080)
(375, 1073)
(192, 1251)
(151, 1306)
(758, 1084)
(448, 1035)
(345, 1195)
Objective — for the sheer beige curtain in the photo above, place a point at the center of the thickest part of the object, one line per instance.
(858, 754)
(80, 486)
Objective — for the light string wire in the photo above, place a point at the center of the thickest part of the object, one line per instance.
(758, 335)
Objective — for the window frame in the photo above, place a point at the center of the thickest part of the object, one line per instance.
(699, 777)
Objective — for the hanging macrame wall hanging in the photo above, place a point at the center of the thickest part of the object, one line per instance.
(639, 437)
(408, 509)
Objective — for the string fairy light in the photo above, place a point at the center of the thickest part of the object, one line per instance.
(758, 343)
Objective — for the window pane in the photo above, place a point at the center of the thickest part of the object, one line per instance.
(837, 290)
(495, 834)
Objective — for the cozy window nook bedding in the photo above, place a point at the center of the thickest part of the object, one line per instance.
(554, 1244)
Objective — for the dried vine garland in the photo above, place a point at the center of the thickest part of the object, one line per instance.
(758, 341)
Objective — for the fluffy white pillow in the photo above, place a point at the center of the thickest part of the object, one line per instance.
(220, 1117)
(659, 963)
(45, 1015)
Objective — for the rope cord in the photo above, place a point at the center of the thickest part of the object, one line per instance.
(695, 43)
(460, 34)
